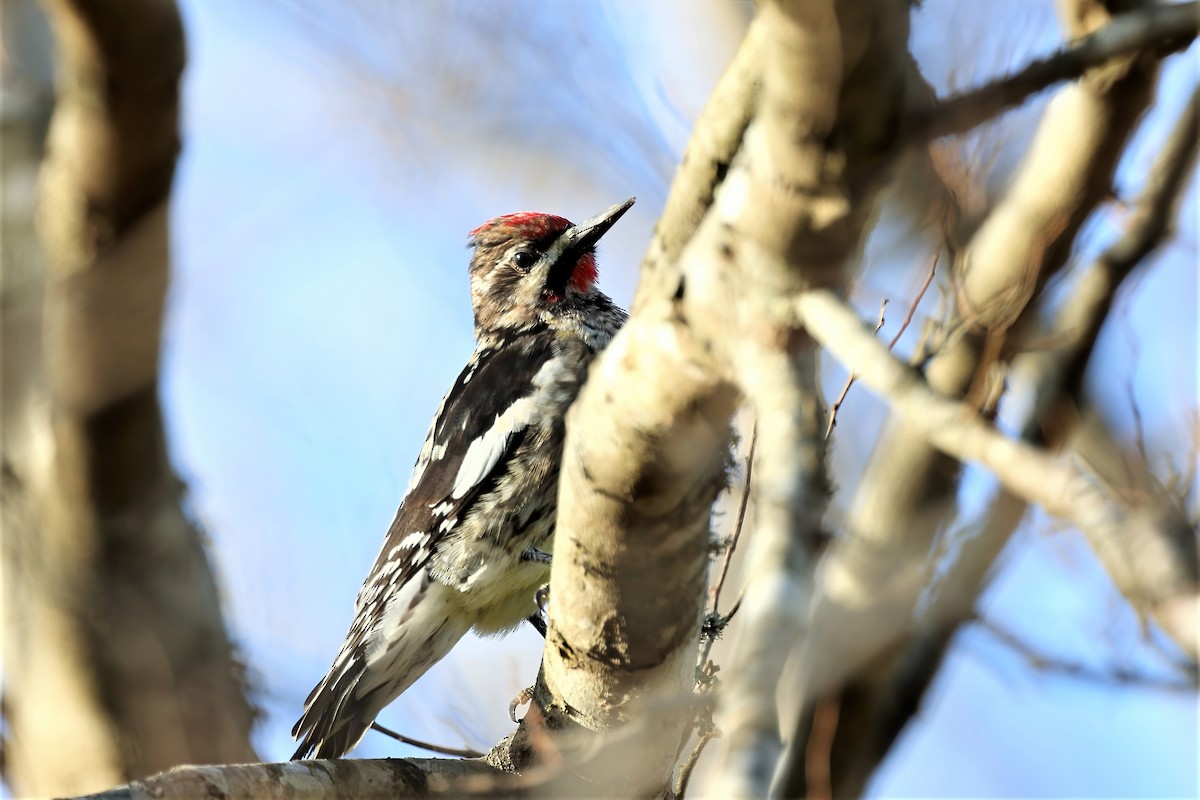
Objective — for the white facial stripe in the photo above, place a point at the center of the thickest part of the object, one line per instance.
(556, 249)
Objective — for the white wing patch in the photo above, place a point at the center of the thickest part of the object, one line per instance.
(484, 453)
(414, 539)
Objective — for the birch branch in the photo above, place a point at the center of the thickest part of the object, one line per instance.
(116, 659)
(363, 779)
(790, 222)
(777, 372)
(1057, 375)
(1064, 490)
(1158, 29)
(716, 139)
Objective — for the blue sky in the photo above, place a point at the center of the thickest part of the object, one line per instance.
(333, 164)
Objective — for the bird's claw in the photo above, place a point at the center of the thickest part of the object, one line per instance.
(523, 697)
(536, 556)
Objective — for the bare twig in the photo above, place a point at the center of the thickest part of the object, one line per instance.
(817, 755)
(714, 595)
(689, 766)
(714, 623)
(1132, 541)
(1114, 676)
(841, 398)
(1135, 409)
(465, 752)
(912, 307)
(1164, 29)
(908, 317)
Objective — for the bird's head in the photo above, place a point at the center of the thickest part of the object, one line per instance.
(531, 267)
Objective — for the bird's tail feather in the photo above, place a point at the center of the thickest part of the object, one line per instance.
(371, 672)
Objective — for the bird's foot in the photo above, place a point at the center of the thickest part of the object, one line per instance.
(538, 622)
(536, 556)
(523, 697)
(538, 619)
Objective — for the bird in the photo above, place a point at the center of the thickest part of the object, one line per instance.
(470, 545)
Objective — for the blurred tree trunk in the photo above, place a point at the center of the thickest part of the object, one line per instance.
(743, 284)
(117, 663)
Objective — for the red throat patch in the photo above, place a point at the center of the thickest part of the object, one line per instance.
(584, 276)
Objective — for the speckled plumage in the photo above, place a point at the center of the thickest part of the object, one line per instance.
(463, 551)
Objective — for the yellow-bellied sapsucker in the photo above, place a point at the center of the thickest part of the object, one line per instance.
(470, 543)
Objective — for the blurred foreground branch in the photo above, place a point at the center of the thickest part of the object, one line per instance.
(1159, 29)
(867, 646)
(363, 779)
(116, 661)
(743, 282)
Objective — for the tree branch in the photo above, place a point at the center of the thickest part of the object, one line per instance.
(363, 779)
(1159, 29)
(784, 221)
(865, 609)
(1116, 676)
(642, 464)
(1062, 489)
(117, 662)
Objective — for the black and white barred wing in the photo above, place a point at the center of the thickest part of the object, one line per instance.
(404, 620)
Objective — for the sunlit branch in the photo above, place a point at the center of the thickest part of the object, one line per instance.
(1061, 488)
(1055, 665)
(365, 779)
(1160, 29)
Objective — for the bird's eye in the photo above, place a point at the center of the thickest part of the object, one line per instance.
(524, 260)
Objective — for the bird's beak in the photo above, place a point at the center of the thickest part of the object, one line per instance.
(575, 241)
(587, 233)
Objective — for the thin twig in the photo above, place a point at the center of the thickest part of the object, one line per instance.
(1163, 29)
(1115, 676)
(436, 748)
(736, 605)
(714, 596)
(841, 398)
(1139, 425)
(685, 772)
(912, 308)
(713, 620)
(714, 623)
(817, 767)
(908, 317)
